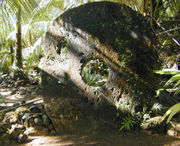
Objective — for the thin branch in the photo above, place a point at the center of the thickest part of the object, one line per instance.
(175, 40)
(15, 107)
(168, 31)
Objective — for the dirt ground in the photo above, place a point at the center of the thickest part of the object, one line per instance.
(11, 94)
(125, 139)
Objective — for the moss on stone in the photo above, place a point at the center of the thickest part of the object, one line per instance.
(123, 40)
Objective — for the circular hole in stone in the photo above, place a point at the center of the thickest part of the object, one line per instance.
(95, 72)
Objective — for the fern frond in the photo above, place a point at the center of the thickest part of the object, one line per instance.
(128, 123)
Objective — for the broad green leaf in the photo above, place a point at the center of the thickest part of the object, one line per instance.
(172, 79)
(171, 112)
(167, 72)
(177, 91)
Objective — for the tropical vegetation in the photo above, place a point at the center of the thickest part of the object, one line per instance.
(23, 24)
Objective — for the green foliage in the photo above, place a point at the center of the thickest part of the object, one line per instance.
(171, 112)
(166, 72)
(156, 107)
(95, 73)
(5, 60)
(33, 59)
(36, 16)
(33, 53)
(128, 123)
(175, 79)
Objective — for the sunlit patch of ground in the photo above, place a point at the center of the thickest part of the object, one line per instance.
(125, 139)
(53, 141)
(11, 96)
(6, 99)
(4, 92)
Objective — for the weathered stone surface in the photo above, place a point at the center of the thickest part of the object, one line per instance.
(112, 33)
(21, 110)
(11, 117)
(174, 130)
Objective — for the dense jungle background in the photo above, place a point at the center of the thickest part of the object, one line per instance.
(23, 26)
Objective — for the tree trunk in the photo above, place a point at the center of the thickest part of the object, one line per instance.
(18, 43)
(12, 54)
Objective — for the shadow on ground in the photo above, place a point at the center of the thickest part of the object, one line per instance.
(104, 139)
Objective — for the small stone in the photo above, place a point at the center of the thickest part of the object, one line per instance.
(34, 109)
(22, 110)
(26, 115)
(29, 131)
(7, 117)
(19, 126)
(29, 122)
(15, 84)
(11, 75)
(22, 138)
(176, 126)
(172, 132)
(16, 104)
(22, 88)
(46, 120)
(9, 85)
(36, 131)
(37, 121)
(13, 119)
